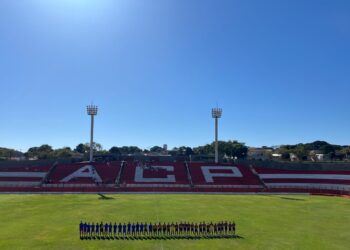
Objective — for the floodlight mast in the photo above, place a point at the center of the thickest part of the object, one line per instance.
(91, 111)
(216, 114)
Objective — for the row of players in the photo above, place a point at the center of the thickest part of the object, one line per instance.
(183, 228)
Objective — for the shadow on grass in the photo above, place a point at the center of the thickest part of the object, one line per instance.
(283, 197)
(163, 237)
(104, 197)
(292, 199)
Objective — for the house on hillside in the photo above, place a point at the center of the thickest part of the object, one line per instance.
(317, 155)
(293, 157)
(261, 154)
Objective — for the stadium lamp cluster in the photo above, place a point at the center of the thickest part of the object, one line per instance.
(216, 112)
(91, 109)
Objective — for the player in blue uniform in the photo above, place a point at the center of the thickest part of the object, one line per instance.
(132, 229)
(137, 228)
(120, 228)
(110, 226)
(106, 229)
(85, 229)
(129, 229)
(141, 228)
(115, 229)
(124, 229)
(88, 230)
(150, 229)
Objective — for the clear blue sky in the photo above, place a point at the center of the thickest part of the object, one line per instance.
(279, 69)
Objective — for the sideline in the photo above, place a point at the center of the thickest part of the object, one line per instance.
(164, 193)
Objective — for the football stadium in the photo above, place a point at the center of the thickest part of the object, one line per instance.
(138, 201)
(183, 97)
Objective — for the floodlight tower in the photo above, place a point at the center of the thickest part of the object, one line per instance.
(92, 111)
(216, 114)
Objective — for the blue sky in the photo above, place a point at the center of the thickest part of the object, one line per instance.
(279, 69)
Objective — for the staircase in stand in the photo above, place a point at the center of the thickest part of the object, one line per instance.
(189, 177)
(45, 179)
(120, 174)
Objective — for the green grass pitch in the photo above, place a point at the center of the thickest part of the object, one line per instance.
(263, 221)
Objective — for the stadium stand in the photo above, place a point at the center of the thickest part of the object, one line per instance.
(84, 173)
(136, 176)
(310, 179)
(208, 175)
(156, 174)
(22, 176)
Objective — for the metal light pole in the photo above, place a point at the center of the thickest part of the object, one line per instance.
(216, 114)
(92, 111)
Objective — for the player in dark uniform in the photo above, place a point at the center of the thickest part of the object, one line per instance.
(84, 229)
(129, 228)
(159, 228)
(97, 230)
(141, 228)
(145, 228)
(187, 228)
(89, 229)
(219, 228)
(150, 229)
(137, 228)
(120, 228)
(124, 229)
(162, 229)
(81, 229)
(106, 229)
(101, 229)
(93, 229)
(196, 228)
(176, 229)
(132, 229)
(115, 229)
(110, 226)
(192, 228)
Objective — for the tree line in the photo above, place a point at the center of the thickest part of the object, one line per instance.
(306, 150)
(229, 148)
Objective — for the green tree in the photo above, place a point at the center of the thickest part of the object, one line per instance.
(64, 152)
(81, 148)
(301, 151)
(115, 150)
(7, 153)
(43, 152)
(189, 151)
(230, 148)
(97, 147)
(129, 150)
(156, 149)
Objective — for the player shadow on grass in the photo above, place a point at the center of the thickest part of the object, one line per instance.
(163, 237)
(104, 197)
(292, 199)
(284, 197)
